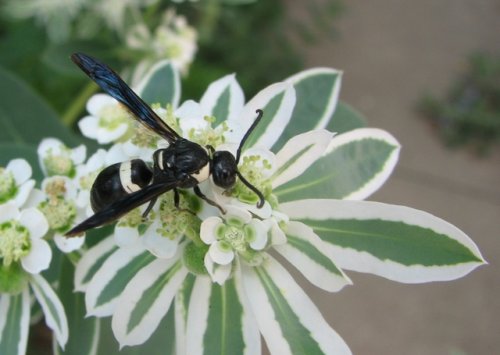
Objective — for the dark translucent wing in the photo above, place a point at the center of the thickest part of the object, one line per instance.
(121, 207)
(111, 83)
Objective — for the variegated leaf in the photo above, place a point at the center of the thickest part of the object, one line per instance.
(288, 320)
(92, 261)
(53, 310)
(108, 283)
(163, 339)
(14, 323)
(317, 91)
(307, 252)
(298, 154)
(218, 323)
(345, 119)
(181, 312)
(84, 332)
(146, 300)
(224, 99)
(161, 85)
(277, 102)
(396, 242)
(354, 165)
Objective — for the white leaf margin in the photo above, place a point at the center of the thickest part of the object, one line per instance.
(106, 273)
(381, 177)
(88, 260)
(45, 294)
(334, 97)
(214, 91)
(197, 319)
(24, 323)
(313, 271)
(349, 259)
(198, 314)
(318, 140)
(127, 301)
(280, 119)
(305, 310)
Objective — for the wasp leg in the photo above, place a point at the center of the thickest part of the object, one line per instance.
(177, 200)
(200, 194)
(148, 209)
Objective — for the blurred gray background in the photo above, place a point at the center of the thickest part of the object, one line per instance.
(392, 52)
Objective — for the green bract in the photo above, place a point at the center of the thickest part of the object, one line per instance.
(13, 278)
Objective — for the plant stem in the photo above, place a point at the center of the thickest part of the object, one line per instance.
(73, 112)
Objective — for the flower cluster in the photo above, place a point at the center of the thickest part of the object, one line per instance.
(209, 267)
(173, 39)
(24, 254)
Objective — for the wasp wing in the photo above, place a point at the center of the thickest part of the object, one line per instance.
(111, 83)
(121, 207)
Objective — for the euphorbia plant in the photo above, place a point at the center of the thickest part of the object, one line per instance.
(217, 282)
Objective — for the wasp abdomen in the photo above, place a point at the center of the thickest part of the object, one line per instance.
(119, 180)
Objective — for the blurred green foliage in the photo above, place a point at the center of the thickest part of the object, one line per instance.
(470, 115)
(255, 39)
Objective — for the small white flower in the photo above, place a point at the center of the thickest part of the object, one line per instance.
(57, 159)
(108, 121)
(173, 39)
(23, 255)
(15, 182)
(61, 210)
(238, 234)
(21, 238)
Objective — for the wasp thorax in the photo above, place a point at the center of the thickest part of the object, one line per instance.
(185, 156)
(224, 169)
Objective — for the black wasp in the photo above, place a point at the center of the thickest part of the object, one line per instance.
(121, 187)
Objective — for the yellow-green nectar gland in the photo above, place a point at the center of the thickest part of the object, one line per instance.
(177, 222)
(209, 136)
(59, 164)
(236, 236)
(14, 242)
(143, 137)
(8, 188)
(169, 116)
(252, 169)
(134, 219)
(59, 212)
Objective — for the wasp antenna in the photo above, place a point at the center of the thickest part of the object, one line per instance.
(254, 189)
(245, 137)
